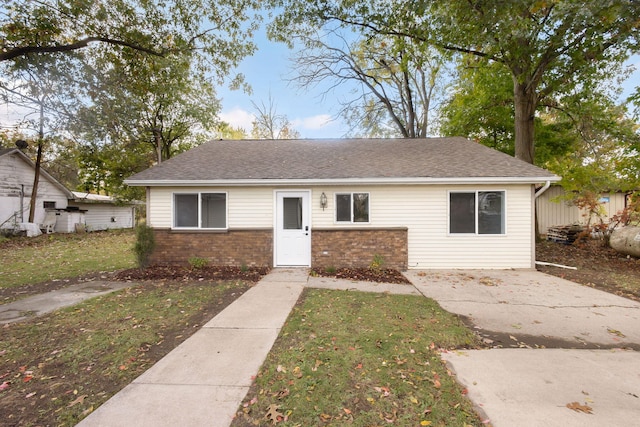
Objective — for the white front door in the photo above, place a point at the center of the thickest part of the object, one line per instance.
(292, 229)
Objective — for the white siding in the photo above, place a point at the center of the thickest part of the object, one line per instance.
(14, 174)
(246, 207)
(554, 210)
(422, 209)
(105, 216)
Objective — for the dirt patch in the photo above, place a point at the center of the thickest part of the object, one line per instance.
(165, 272)
(598, 266)
(382, 275)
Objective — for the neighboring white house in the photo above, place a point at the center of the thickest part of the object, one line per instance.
(103, 212)
(16, 184)
(414, 203)
(70, 209)
(555, 210)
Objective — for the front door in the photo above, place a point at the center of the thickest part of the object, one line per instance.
(293, 229)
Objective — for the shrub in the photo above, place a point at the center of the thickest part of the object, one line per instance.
(197, 262)
(145, 244)
(377, 262)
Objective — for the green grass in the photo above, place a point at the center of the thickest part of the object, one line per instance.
(88, 352)
(59, 256)
(361, 359)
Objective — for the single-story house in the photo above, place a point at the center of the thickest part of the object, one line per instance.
(413, 203)
(103, 212)
(16, 184)
(554, 209)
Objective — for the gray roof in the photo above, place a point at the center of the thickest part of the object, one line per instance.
(375, 160)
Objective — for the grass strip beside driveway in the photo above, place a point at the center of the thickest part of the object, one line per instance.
(361, 359)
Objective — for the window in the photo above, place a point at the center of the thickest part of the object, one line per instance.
(352, 207)
(49, 205)
(479, 212)
(200, 210)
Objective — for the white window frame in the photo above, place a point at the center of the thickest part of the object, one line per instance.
(351, 193)
(199, 193)
(476, 200)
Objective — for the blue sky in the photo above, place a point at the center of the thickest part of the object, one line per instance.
(268, 71)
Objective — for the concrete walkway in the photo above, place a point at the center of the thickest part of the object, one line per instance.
(38, 305)
(203, 381)
(556, 343)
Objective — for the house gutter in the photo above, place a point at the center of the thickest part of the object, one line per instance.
(343, 181)
(542, 190)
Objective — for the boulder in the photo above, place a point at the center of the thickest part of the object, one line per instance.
(626, 240)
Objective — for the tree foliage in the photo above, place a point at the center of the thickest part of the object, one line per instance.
(395, 82)
(547, 46)
(134, 79)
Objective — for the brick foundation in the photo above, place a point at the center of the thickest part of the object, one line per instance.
(232, 247)
(358, 247)
(329, 247)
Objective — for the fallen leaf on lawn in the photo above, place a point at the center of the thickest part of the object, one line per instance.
(513, 338)
(437, 384)
(297, 372)
(580, 408)
(273, 414)
(78, 399)
(281, 368)
(282, 394)
(425, 423)
(413, 400)
(4, 385)
(346, 411)
(27, 378)
(30, 395)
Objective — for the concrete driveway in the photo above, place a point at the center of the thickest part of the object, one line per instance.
(563, 354)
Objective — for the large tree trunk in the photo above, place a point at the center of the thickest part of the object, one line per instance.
(525, 108)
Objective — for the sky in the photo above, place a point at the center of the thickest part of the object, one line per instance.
(268, 72)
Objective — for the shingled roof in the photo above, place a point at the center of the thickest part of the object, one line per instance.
(340, 160)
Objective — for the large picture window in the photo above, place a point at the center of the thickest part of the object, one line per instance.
(200, 210)
(477, 212)
(352, 207)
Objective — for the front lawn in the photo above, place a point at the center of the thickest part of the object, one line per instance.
(361, 359)
(56, 369)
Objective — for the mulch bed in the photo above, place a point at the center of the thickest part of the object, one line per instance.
(177, 273)
(381, 275)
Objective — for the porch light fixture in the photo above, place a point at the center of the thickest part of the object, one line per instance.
(323, 200)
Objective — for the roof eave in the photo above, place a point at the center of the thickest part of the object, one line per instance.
(343, 181)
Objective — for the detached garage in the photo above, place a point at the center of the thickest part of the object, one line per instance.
(103, 212)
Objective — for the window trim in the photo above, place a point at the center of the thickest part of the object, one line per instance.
(351, 193)
(199, 193)
(476, 195)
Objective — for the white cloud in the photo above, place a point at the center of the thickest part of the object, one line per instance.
(238, 118)
(314, 122)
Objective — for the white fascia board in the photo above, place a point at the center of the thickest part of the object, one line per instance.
(341, 181)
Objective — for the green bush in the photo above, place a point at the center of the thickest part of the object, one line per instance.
(197, 262)
(145, 244)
